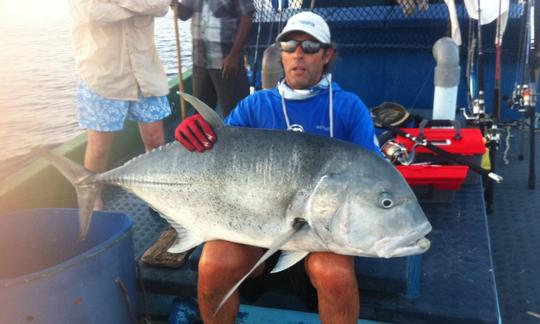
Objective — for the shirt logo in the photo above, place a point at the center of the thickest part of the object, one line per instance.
(296, 128)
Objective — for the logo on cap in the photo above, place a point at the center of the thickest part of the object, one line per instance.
(305, 22)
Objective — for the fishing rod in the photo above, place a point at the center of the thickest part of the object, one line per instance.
(491, 133)
(497, 96)
(179, 62)
(524, 94)
(519, 86)
(518, 89)
(256, 58)
(469, 71)
(475, 82)
(443, 153)
(532, 101)
(476, 87)
(479, 108)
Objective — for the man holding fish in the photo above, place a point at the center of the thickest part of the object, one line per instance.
(305, 100)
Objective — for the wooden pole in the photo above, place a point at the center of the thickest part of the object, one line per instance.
(179, 63)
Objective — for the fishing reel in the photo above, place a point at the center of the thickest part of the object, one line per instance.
(522, 98)
(478, 107)
(477, 110)
(397, 153)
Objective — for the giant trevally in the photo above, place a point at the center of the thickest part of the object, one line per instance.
(274, 189)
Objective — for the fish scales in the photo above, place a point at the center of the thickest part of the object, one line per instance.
(224, 182)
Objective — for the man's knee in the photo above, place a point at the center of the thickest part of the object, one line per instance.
(331, 275)
(152, 134)
(212, 268)
(99, 143)
(97, 151)
(154, 140)
(223, 263)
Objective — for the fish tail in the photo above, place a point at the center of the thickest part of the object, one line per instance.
(85, 185)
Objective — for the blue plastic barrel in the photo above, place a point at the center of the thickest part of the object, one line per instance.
(47, 275)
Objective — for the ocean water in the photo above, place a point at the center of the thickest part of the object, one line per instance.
(38, 80)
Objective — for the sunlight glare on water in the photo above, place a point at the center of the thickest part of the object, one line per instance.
(38, 79)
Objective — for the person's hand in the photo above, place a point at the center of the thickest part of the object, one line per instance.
(181, 11)
(229, 67)
(194, 133)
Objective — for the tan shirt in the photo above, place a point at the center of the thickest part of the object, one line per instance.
(114, 47)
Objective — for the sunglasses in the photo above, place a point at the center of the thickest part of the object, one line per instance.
(308, 46)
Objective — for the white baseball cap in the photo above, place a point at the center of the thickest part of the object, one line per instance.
(309, 23)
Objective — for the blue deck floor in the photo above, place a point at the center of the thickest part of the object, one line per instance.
(458, 274)
(514, 226)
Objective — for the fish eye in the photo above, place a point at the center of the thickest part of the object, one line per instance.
(385, 200)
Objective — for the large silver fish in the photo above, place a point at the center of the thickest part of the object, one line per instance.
(269, 188)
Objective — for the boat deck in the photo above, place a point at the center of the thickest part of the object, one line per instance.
(514, 227)
(470, 252)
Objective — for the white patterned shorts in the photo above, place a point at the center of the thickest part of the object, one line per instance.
(108, 115)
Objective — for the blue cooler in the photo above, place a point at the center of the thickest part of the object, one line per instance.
(47, 275)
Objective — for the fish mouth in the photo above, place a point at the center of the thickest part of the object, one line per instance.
(412, 243)
(418, 247)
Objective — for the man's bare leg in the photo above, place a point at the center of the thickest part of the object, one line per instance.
(152, 134)
(334, 278)
(96, 156)
(221, 265)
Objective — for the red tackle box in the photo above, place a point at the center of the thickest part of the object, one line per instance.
(466, 142)
(434, 183)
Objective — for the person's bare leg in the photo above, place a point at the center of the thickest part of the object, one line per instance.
(337, 290)
(152, 134)
(221, 265)
(96, 156)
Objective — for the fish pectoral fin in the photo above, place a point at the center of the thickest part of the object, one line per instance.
(185, 240)
(287, 259)
(297, 225)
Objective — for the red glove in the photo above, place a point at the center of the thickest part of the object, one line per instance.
(194, 133)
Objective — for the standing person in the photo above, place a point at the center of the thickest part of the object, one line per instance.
(306, 100)
(121, 74)
(219, 31)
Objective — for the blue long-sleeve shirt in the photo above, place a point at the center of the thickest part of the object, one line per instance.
(352, 121)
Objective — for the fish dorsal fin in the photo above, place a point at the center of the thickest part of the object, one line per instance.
(206, 112)
(185, 240)
(325, 201)
(297, 225)
(287, 259)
